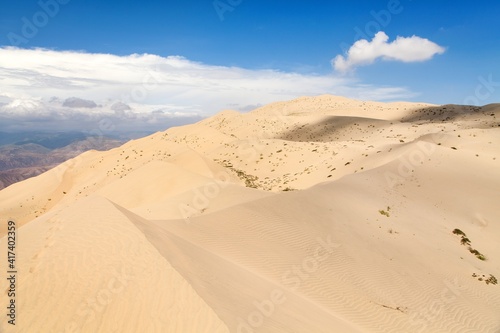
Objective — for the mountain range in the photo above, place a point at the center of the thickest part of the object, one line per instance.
(28, 154)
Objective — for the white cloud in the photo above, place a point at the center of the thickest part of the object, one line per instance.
(155, 92)
(74, 102)
(405, 49)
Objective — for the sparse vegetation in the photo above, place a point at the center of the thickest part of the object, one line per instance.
(249, 179)
(478, 254)
(466, 241)
(491, 279)
(385, 212)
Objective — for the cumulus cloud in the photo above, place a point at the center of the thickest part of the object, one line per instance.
(120, 107)
(69, 89)
(75, 102)
(404, 49)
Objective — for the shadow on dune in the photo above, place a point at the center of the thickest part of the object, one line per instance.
(441, 113)
(332, 128)
(335, 128)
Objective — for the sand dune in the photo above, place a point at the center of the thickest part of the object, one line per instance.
(321, 214)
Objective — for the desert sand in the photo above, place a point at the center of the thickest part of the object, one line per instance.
(320, 214)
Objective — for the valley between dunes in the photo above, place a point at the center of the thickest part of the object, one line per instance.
(320, 214)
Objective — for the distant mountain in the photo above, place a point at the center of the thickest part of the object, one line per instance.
(46, 139)
(12, 176)
(25, 155)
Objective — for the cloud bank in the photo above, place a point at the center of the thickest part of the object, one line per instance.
(46, 89)
(74, 102)
(404, 49)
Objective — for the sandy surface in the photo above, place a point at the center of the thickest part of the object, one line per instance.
(319, 214)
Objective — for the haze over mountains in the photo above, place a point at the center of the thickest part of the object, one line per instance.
(27, 154)
(320, 214)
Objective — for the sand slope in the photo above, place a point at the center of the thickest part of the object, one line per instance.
(319, 214)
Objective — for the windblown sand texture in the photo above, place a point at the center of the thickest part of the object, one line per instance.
(321, 214)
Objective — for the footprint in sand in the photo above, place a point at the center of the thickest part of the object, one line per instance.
(36, 260)
(49, 242)
(34, 269)
(480, 220)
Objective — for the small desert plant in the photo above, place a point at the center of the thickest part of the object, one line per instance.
(249, 179)
(458, 232)
(481, 257)
(383, 212)
(465, 241)
(491, 279)
(473, 251)
(478, 254)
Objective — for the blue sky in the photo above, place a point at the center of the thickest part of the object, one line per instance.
(265, 41)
